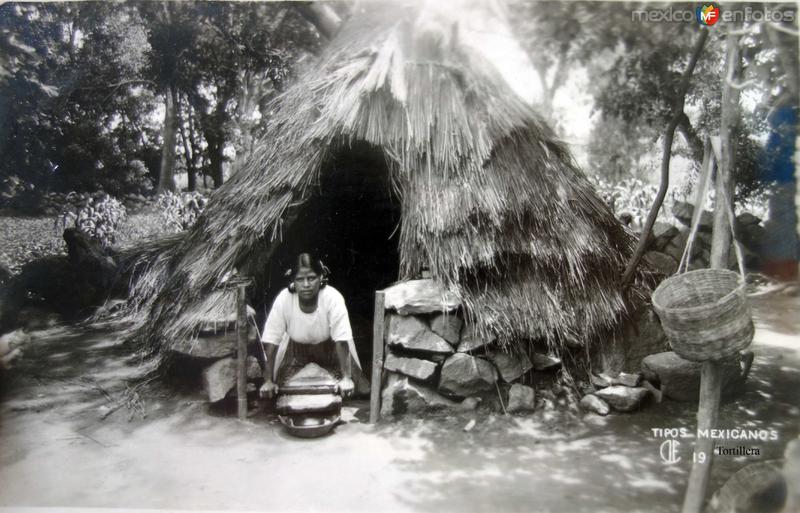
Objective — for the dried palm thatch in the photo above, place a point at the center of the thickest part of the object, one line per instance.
(492, 202)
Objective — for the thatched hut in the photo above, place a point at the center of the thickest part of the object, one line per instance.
(402, 150)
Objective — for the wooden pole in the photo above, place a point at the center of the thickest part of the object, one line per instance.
(377, 359)
(711, 374)
(241, 351)
(707, 412)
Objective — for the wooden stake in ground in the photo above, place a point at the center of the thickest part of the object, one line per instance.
(377, 359)
(711, 374)
(241, 350)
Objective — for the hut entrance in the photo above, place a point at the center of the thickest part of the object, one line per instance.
(350, 221)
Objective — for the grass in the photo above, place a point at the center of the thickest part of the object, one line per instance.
(24, 239)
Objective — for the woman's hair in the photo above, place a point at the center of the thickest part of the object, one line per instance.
(310, 262)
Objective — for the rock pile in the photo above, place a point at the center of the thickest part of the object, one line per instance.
(433, 360)
(668, 242)
(621, 393)
(663, 375)
(214, 346)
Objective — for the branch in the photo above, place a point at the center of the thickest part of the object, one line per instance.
(669, 135)
(119, 84)
(322, 16)
(691, 137)
(740, 85)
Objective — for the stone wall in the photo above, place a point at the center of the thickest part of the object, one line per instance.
(433, 360)
(668, 241)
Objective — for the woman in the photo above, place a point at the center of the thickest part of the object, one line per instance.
(308, 323)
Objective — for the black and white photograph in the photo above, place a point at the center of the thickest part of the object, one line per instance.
(399, 256)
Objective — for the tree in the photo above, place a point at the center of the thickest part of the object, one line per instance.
(88, 127)
(636, 66)
(244, 55)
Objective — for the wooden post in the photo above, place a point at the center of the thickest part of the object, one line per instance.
(711, 374)
(707, 412)
(241, 350)
(377, 359)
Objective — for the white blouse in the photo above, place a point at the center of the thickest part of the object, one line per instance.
(286, 321)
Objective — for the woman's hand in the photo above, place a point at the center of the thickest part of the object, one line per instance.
(346, 387)
(268, 390)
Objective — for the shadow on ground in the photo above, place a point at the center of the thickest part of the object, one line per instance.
(74, 434)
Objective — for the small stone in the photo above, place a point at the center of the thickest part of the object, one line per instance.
(470, 425)
(627, 379)
(422, 370)
(419, 296)
(661, 262)
(601, 380)
(402, 396)
(545, 363)
(684, 211)
(471, 340)
(219, 378)
(521, 398)
(753, 237)
(622, 398)
(511, 366)
(469, 404)
(746, 219)
(592, 403)
(253, 368)
(464, 375)
(447, 326)
(662, 234)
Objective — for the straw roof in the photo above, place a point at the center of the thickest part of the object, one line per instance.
(492, 202)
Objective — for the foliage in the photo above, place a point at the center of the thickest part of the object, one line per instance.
(82, 84)
(25, 239)
(99, 218)
(180, 211)
(635, 68)
(630, 197)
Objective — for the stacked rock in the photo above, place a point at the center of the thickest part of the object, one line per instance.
(668, 241)
(622, 393)
(215, 343)
(434, 360)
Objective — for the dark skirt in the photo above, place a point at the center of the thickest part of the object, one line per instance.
(323, 354)
(298, 356)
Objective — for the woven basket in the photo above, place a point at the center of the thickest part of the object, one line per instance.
(705, 314)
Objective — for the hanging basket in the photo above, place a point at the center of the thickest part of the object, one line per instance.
(705, 314)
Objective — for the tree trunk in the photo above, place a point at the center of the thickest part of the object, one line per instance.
(188, 153)
(669, 135)
(166, 179)
(215, 147)
(725, 187)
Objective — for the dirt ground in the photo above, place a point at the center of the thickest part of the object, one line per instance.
(73, 434)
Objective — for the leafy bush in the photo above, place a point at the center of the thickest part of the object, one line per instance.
(99, 218)
(181, 211)
(631, 197)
